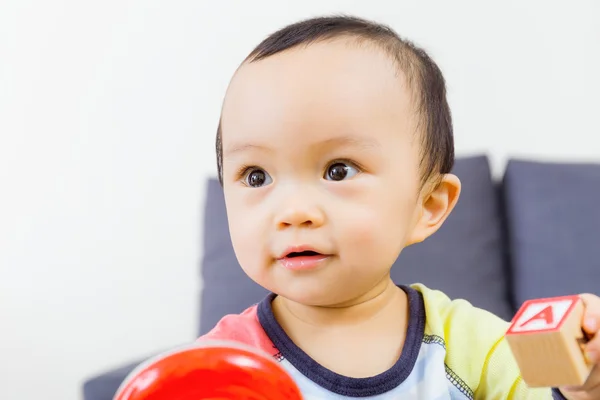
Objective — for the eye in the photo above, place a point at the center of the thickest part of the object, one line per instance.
(257, 177)
(340, 171)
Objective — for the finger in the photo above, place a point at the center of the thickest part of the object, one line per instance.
(594, 393)
(591, 317)
(590, 393)
(591, 385)
(592, 350)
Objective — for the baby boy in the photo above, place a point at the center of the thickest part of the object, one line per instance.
(335, 150)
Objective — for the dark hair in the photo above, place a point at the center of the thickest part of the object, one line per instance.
(423, 76)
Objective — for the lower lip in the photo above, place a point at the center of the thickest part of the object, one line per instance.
(302, 263)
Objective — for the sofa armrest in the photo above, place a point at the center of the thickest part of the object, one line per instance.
(104, 386)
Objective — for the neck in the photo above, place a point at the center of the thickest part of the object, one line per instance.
(379, 302)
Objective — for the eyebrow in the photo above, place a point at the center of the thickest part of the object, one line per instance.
(350, 140)
(241, 147)
(345, 140)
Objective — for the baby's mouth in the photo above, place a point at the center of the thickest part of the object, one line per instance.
(307, 253)
(303, 260)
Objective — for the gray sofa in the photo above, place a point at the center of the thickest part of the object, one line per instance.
(534, 233)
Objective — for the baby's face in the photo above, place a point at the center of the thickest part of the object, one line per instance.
(320, 153)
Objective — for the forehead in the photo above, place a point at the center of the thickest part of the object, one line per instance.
(333, 86)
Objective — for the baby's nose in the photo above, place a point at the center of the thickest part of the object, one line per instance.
(300, 215)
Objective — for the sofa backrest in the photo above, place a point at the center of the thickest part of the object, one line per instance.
(553, 215)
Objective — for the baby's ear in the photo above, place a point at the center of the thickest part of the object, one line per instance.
(435, 206)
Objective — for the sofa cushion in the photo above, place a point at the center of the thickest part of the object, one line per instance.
(464, 258)
(553, 227)
(105, 386)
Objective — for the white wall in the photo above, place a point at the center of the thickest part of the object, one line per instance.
(107, 118)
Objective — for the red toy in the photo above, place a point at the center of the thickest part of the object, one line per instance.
(212, 370)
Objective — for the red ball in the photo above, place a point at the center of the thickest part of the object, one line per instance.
(213, 370)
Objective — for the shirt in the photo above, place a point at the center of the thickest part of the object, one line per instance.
(452, 350)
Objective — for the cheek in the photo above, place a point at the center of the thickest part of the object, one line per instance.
(239, 225)
(378, 229)
(246, 228)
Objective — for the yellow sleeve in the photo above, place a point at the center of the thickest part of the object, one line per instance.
(501, 379)
(478, 358)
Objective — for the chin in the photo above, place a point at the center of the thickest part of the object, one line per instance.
(316, 298)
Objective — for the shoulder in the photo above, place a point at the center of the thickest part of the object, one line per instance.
(445, 315)
(469, 334)
(242, 328)
(477, 353)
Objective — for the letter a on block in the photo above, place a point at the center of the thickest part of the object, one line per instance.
(542, 314)
(546, 314)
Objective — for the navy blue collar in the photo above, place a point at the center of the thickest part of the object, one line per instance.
(343, 385)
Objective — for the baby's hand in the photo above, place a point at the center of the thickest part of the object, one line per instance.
(591, 325)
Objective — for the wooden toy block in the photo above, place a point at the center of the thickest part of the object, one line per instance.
(546, 339)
